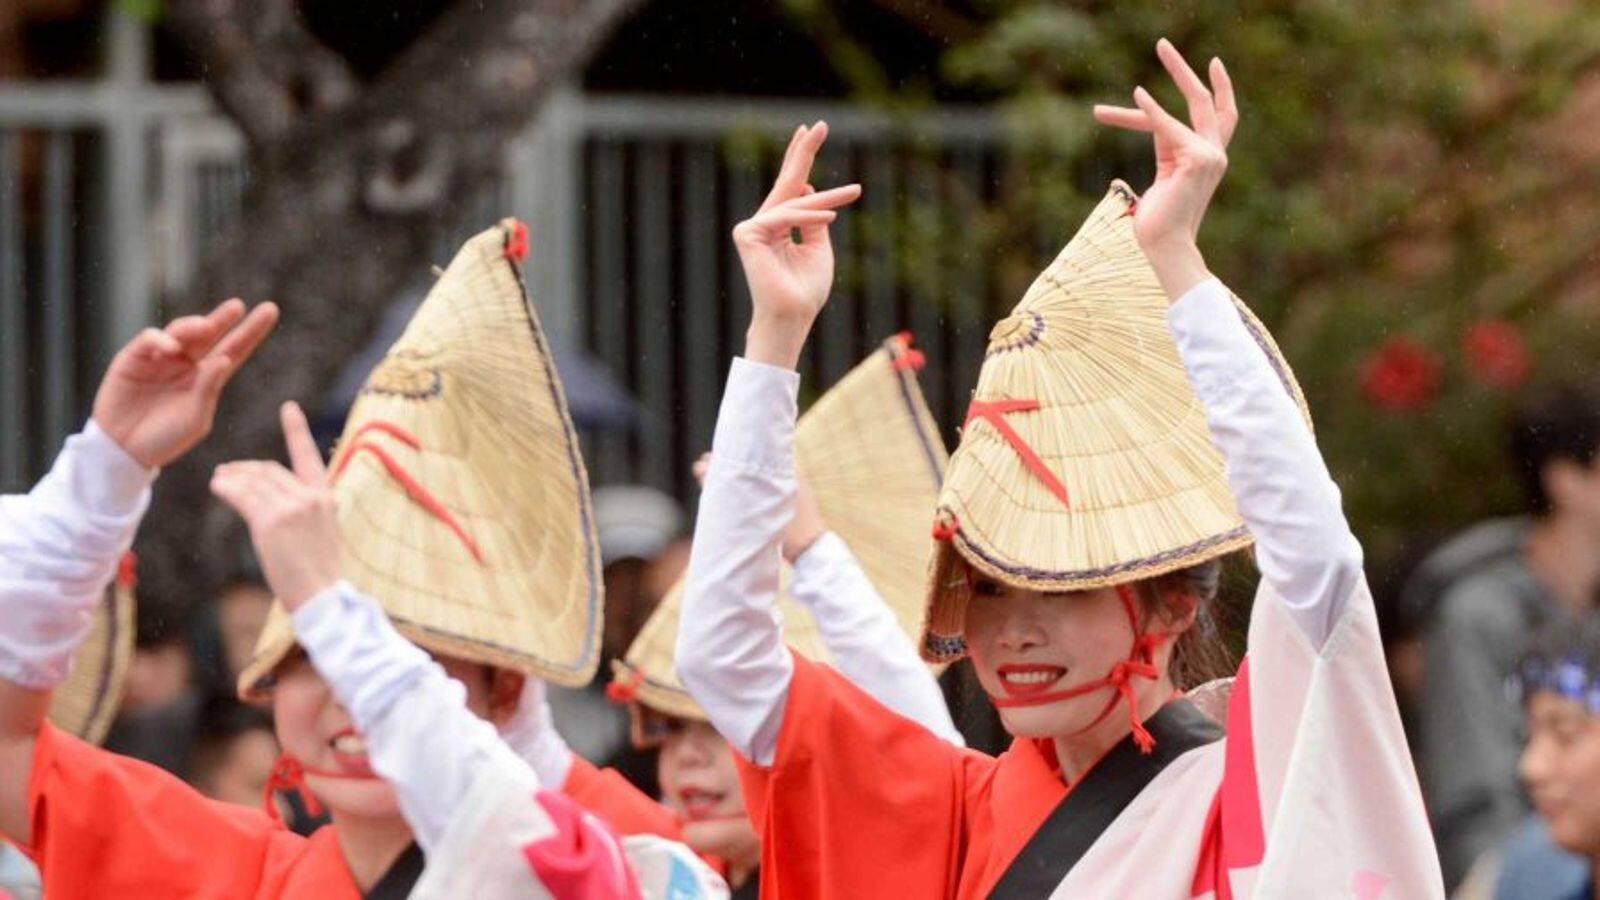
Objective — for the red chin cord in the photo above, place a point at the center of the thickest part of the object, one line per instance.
(1139, 664)
(289, 774)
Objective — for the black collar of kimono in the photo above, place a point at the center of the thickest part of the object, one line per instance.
(1098, 798)
(403, 875)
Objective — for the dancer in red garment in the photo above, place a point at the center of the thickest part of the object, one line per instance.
(1132, 424)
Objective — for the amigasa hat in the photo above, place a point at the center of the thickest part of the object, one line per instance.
(1085, 460)
(462, 499)
(871, 454)
(86, 703)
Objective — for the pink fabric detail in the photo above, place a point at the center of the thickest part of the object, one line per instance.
(583, 860)
(1234, 835)
(1368, 885)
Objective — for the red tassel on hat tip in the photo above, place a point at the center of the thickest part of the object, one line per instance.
(128, 571)
(910, 357)
(517, 243)
(626, 691)
(945, 530)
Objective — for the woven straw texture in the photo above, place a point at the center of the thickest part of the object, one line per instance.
(87, 702)
(462, 499)
(871, 453)
(1134, 486)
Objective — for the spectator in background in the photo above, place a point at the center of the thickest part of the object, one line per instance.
(643, 549)
(1480, 597)
(234, 752)
(1553, 855)
(160, 710)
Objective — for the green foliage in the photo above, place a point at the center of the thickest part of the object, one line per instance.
(1403, 167)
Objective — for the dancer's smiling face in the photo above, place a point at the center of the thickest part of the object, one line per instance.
(1027, 643)
(315, 729)
(701, 783)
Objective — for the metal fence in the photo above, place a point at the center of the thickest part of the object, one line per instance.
(106, 202)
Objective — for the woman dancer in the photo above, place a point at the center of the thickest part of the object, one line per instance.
(1115, 448)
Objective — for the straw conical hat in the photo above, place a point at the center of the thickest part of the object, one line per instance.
(1086, 460)
(462, 499)
(86, 703)
(871, 454)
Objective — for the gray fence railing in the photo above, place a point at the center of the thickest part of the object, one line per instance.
(631, 201)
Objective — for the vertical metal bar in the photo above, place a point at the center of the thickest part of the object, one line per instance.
(13, 340)
(739, 203)
(652, 312)
(968, 310)
(840, 341)
(882, 262)
(60, 344)
(545, 190)
(609, 292)
(929, 304)
(700, 356)
(126, 278)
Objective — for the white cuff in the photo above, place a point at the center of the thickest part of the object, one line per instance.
(355, 647)
(118, 481)
(755, 426)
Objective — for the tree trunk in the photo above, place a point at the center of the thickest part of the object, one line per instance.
(350, 187)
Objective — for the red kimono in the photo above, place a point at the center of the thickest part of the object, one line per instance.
(108, 826)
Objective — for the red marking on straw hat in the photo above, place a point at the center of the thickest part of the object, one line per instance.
(128, 571)
(994, 412)
(910, 357)
(517, 242)
(623, 691)
(414, 489)
(945, 527)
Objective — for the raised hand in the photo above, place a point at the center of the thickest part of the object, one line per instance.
(789, 280)
(1190, 162)
(290, 514)
(159, 396)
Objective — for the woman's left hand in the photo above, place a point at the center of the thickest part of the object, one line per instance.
(1190, 162)
(290, 514)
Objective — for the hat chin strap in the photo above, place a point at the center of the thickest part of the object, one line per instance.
(289, 774)
(1139, 664)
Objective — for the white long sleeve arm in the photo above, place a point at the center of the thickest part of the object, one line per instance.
(730, 652)
(59, 548)
(864, 638)
(420, 735)
(1282, 487)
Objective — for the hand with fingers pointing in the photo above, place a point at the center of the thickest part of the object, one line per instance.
(1190, 162)
(159, 396)
(290, 514)
(789, 280)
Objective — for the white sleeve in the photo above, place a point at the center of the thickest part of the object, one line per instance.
(1304, 546)
(531, 733)
(863, 637)
(419, 733)
(730, 652)
(59, 548)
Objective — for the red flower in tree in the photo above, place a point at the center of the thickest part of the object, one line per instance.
(1496, 354)
(1401, 376)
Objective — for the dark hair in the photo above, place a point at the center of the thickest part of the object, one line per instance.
(1563, 424)
(1201, 652)
(222, 721)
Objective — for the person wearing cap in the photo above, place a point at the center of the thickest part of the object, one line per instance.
(1555, 853)
(1132, 424)
(830, 610)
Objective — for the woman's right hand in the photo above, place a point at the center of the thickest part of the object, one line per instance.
(789, 280)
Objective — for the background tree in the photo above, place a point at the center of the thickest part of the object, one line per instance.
(1410, 206)
(354, 179)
